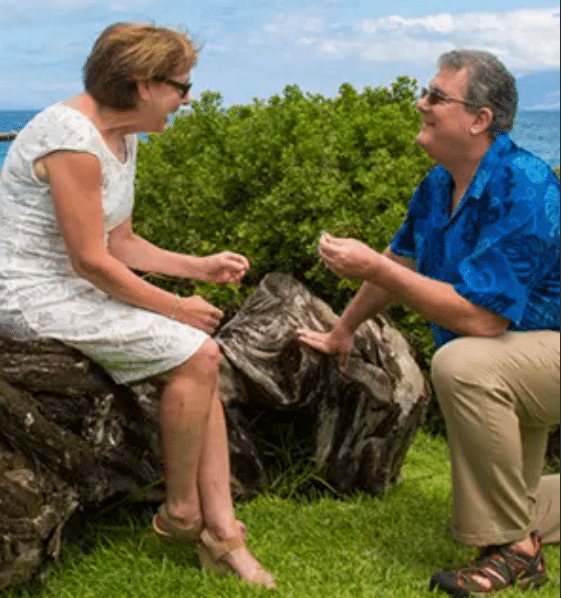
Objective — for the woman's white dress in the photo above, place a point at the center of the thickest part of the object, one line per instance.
(40, 294)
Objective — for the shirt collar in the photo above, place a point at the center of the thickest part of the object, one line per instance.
(501, 144)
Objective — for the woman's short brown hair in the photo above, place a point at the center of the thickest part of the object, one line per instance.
(126, 53)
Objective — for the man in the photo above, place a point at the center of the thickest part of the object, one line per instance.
(478, 256)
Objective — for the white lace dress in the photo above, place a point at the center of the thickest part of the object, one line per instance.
(40, 294)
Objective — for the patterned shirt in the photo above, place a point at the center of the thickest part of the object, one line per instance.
(500, 248)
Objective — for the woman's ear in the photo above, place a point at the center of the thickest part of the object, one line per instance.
(143, 88)
(482, 121)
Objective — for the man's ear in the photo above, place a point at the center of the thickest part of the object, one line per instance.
(482, 121)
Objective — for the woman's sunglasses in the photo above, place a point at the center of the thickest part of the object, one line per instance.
(184, 88)
(435, 96)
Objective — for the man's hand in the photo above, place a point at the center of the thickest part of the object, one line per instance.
(224, 268)
(337, 342)
(349, 258)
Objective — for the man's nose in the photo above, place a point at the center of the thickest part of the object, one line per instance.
(422, 104)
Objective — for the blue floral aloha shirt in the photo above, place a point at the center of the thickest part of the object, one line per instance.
(500, 248)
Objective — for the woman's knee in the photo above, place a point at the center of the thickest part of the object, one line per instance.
(203, 364)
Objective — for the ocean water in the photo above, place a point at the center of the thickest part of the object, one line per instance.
(536, 131)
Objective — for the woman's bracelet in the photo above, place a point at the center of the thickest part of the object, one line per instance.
(174, 308)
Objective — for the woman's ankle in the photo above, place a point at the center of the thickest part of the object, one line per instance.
(225, 529)
(184, 515)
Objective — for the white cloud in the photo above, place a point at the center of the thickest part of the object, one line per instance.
(38, 12)
(527, 38)
(302, 22)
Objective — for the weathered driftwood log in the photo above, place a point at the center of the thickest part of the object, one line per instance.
(361, 423)
(70, 437)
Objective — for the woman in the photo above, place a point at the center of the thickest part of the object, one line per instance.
(68, 255)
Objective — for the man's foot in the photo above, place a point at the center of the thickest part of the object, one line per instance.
(497, 567)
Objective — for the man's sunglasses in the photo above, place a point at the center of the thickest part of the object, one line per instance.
(435, 96)
(184, 88)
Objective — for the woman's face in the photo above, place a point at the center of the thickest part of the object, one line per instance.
(159, 99)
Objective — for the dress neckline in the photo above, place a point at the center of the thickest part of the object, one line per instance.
(98, 132)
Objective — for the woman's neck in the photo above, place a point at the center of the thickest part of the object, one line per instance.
(110, 123)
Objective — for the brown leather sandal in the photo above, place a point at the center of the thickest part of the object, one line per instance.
(212, 552)
(501, 566)
(166, 526)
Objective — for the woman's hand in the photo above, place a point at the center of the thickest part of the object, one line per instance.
(198, 313)
(224, 268)
(349, 258)
(337, 342)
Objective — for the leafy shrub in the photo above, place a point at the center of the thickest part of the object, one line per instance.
(265, 180)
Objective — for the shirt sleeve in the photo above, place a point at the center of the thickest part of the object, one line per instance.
(403, 242)
(510, 257)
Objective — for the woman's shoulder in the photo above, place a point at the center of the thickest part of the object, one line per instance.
(59, 127)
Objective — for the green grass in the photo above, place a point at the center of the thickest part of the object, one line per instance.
(359, 547)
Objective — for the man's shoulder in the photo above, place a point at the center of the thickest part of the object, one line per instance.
(524, 167)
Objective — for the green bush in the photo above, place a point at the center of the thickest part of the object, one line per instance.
(265, 180)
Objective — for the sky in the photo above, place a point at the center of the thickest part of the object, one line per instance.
(253, 49)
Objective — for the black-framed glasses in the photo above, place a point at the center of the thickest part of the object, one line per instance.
(435, 96)
(183, 88)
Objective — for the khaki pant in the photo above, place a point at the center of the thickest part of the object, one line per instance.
(500, 400)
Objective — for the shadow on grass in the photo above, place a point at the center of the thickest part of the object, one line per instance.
(123, 524)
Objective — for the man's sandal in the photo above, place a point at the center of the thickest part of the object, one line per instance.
(212, 553)
(501, 566)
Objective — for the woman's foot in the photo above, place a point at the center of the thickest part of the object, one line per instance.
(230, 555)
(498, 567)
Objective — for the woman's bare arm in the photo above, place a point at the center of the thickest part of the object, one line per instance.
(75, 179)
(139, 254)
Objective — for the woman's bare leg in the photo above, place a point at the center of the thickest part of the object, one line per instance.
(216, 496)
(214, 475)
(184, 415)
(196, 456)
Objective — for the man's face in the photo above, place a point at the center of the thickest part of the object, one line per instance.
(445, 133)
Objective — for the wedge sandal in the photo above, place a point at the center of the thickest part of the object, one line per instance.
(213, 555)
(166, 527)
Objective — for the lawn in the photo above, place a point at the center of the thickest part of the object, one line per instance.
(359, 547)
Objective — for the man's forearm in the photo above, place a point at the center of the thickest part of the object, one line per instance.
(438, 301)
(370, 300)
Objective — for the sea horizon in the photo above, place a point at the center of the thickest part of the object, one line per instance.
(536, 130)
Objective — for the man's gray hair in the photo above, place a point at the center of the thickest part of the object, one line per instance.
(490, 84)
